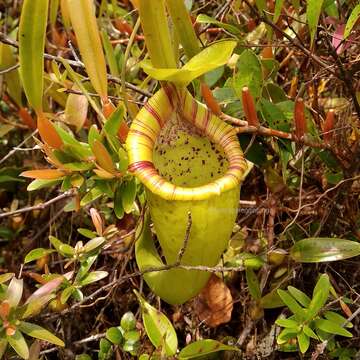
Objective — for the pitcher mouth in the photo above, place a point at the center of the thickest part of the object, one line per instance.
(146, 128)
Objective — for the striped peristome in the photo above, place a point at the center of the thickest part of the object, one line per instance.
(146, 128)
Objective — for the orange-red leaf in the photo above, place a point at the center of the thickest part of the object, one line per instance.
(300, 121)
(267, 53)
(27, 118)
(4, 310)
(329, 126)
(249, 107)
(108, 109)
(97, 221)
(44, 174)
(209, 99)
(103, 157)
(48, 132)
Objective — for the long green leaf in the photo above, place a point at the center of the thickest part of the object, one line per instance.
(205, 19)
(278, 7)
(39, 332)
(313, 10)
(332, 328)
(320, 296)
(315, 250)
(158, 327)
(32, 31)
(18, 343)
(292, 304)
(204, 347)
(82, 14)
(353, 18)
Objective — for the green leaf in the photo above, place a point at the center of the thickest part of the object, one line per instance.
(132, 336)
(273, 116)
(313, 10)
(18, 343)
(32, 31)
(114, 335)
(337, 318)
(205, 19)
(204, 347)
(105, 345)
(271, 300)
(158, 327)
(34, 307)
(93, 277)
(253, 283)
(39, 184)
(3, 346)
(309, 332)
(315, 250)
(301, 297)
(60, 247)
(12, 78)
(144, 357)
(320, 296)
(110, 54)
(37, 254)
(113, 123)
(332, 328)
(39, 332)
(215, 55)
(85, 267)
(304, 342)
(292, 304)
(83, 357)
(285, 335)
(128, 195)
(249, 73)
(278, 7)
(87, 233)
(287, 323)
(93, 135)
(128, 321)
(6, 277)
(261, 5)
(14, 292)
(82, 14)
(91, 196)
(94, 244)
(66, 293)
(353, 18)
(118, 206)
(5, 129)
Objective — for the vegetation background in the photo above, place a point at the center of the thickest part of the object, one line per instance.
(291, 89)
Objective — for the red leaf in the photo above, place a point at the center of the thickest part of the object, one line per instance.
(209, 99)
(48, 132)
(300, 121)
(329, 126)
(27, 118)
(249, 107)
(44, 174)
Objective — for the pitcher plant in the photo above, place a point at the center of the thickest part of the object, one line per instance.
(190, 163)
